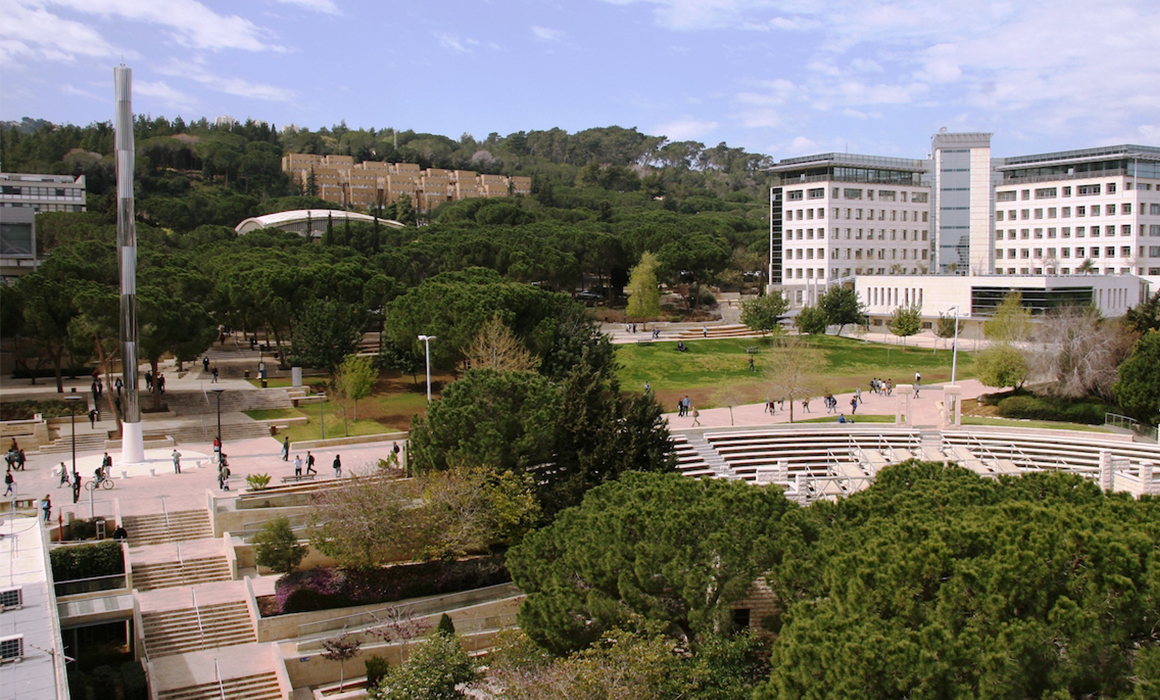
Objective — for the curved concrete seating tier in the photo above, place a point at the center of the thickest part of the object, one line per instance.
(826, 460)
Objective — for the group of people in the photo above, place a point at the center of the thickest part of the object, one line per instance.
(151, 381)
(15, 457)
(685, 409)
(71, 479)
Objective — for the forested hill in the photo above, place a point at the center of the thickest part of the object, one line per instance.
(235, 171)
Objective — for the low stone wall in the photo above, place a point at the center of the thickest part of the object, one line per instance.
(29, 434)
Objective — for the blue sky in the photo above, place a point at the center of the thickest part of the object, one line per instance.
(781, 77)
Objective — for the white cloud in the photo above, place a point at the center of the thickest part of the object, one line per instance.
(685, 129)
(190, 22)
(452, 42)
(78, 92)
(546, 34)
(231, 85)
(161, 92)
(31, 32)
(326, 6)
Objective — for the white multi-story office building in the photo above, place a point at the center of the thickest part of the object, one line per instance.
(1094, 210)
(22, 197)
(837, 215)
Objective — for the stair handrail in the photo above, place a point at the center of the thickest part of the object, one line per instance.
(180, 559)
(197, 614)
(221, 686)
(165, 511)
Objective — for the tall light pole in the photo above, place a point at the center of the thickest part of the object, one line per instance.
(955, 350)
(72, 399)
(427, 352)
(221, 449)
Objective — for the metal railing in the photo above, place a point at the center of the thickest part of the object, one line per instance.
(1115, 420)
(92, 584)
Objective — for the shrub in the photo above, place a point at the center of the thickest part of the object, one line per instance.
(81, 529)
(105, 681)
(257, 482)
(276, 546)
(328, 588)
(133, 681)
(446, 624)
(1041, 408)
(87, 561)
(377, 669)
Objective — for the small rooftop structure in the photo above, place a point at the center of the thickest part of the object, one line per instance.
(298, 220)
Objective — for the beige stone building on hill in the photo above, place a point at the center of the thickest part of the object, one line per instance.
(364, 185)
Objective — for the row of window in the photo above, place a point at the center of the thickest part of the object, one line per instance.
(1052, 192)
(1065, 212)
(1079, 252)
(856, 214)
(856, 193)
(856, 234)
(1080, 232)
(43, 207)
(1068, 271)
(820, 273)
(42, 192)
(857, 254)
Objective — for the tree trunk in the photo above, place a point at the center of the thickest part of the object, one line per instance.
(57, 361)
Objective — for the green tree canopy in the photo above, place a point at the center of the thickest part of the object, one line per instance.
(906, 321)
(1138, 386)
(842, 307)
(1001, 365)
(646, 547)
(1011, 322)
(276, 546)
(937, 583)
(811, 320)
(764, 313)
(644, 297)
(327, 332)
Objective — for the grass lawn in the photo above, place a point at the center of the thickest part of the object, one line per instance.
(856, 419)
(1009, 423)
(389, 408)
(712, 368)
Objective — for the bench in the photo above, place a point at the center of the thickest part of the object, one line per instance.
(297, 477)
(752, 349)
(644, 342)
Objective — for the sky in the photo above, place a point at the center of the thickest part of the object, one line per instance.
(778, 77)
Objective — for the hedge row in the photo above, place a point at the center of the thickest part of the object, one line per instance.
(87, 561)
(328, 588)
(1045, 408)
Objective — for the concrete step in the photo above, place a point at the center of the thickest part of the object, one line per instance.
(260, 686)
(158, 529)
(178, 632)
(148, 577)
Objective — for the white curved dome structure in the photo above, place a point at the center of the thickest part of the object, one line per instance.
(302, 220)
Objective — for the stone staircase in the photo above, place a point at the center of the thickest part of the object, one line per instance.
(156, 528)
(712, 458)
(148, 577)
(87, 442)
(205, 433)
(178, 631)
(191, 403)
(260, 686)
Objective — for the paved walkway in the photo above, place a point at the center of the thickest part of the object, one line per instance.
(925, 410)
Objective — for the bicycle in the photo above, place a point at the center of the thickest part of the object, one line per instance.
(104, 483)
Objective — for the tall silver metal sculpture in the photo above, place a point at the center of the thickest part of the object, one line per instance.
(132, 438)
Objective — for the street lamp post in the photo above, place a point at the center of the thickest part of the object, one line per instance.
(427, 352)
(220, 448)
(955, 350)
(72, 399)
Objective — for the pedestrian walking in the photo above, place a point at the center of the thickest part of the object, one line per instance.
(853, 406)
(118, 385)
(9, 483)
(806, 405)
(20, 459)
(148, 380)
(286, 449)
(93, 418)
(696, 417)
(76, 484)
(176, 461)
(337, 467)
(160, 383)
(751, 367)
(889, 387)
(46, 504)
(297, 465)
(858, 394)
(917, 381)
(224, 479)
(704, 331)
(647, 388)
(106, 466)
(214, 374)
(205, 364)
(63, 475)
(310, 463)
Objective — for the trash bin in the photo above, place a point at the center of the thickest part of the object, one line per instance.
(264, 384)
(247, 374)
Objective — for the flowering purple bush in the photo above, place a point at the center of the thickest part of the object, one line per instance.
(327, 588)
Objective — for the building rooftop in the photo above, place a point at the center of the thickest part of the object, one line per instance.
(1084, 155)
(40, 673)
(301, 215)
(849, 159)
